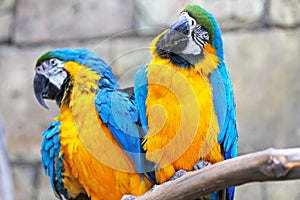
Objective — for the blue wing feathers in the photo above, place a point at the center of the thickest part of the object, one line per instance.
(140, 93)
(52, 152)
(230, 193)
(220, 103)
(133, 113)
(225, 110)
(51, 161)
(118, 111)
(51, 174)
(115, 110)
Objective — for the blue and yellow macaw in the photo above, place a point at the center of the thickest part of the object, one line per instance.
(93, 148)
(185, 98)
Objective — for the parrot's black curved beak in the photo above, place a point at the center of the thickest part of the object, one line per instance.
(175, 39)
(181, 26)
(43, 89)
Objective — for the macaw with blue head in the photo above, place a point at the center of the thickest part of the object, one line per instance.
(93, 148)
(185, 98)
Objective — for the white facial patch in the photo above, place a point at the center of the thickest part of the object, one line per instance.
(53, 70)
(58, 79)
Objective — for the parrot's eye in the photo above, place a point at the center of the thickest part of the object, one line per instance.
(53, 62)
(205, 36)
(200, 35)
(39, 69)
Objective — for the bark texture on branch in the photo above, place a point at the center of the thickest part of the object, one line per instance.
(267, 165)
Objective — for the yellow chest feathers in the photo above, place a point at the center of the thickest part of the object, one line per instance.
(183, 126)
(91, 154)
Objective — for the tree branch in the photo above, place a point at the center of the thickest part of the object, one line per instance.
(267, 165)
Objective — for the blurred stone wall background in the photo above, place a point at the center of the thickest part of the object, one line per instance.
(262, 51)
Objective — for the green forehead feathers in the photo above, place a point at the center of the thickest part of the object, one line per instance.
(202, 18)
(44, 57)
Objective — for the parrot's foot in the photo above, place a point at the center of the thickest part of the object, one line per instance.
(128, 197)
(201, 164)
(178, 174)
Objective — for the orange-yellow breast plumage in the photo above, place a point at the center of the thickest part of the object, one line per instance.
(183, 126)
(92, 156)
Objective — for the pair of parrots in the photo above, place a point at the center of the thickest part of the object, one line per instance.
(106, 143)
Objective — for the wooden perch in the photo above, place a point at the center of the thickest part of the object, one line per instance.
(267, 165)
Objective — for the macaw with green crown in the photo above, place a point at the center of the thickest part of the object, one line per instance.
(185, 98)
(93, 149)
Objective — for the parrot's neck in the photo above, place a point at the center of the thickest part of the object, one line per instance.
(78, 98)
(205, 66)
(209, 62)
